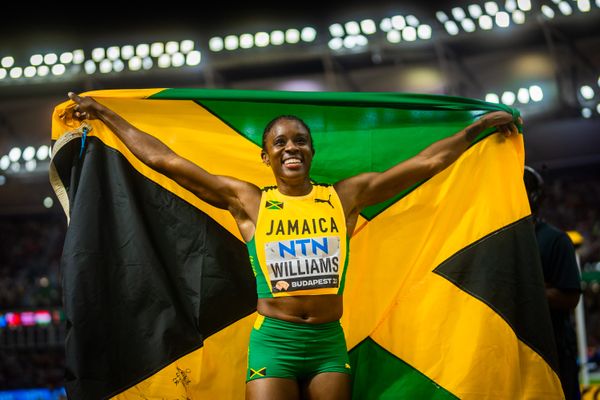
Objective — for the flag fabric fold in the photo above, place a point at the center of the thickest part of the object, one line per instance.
(444, 293)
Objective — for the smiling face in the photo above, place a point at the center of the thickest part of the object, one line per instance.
(288, 150)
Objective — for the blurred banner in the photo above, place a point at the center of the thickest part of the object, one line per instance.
(444, 293)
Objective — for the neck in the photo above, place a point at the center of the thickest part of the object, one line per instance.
(289, 188)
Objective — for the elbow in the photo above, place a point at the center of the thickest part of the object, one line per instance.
(437, 164)
(155, 161)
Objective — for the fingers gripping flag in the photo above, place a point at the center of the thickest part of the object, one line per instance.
(444, 296)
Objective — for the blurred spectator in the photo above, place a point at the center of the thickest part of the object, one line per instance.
(563, 285)
(29, 261)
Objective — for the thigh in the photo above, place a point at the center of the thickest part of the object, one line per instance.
(328, 386)
(272, 388)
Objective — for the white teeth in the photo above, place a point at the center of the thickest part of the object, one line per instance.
(292, 161)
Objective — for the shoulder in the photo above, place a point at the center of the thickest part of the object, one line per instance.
(551, 233)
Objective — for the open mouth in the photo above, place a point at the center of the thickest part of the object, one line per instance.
(292, 163)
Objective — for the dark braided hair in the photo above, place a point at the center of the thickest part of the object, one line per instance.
(289, 118)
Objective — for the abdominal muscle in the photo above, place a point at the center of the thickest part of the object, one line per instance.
(317, 309)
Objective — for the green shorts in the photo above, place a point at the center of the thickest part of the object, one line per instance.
(282, 349)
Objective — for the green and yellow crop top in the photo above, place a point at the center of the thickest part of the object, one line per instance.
(300, 245)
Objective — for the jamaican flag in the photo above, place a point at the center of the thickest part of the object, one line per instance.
(444, 293)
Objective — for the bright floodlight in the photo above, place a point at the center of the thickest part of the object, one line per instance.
(524, 5)
(518, 17)
(336, 30)
(118, 66)
(2, 73)
(441, 16)
(308, 34)
(398, 22)
(135, 63)
(586, 92)
(127, 52)
(565, 8)
(468, 25)
(598, 108)
(113, 52)
(584, 5)
(215, 44)
(492, 98)
(164, 61)
(412, 20)
(231, 42)
(292, 36)
(142, 50)
(536, 93)
(485, 22)
(246, 40)
(50, 58)
(157, 49)
(394, 36)
(14, 154)
(48, 202)
(361, 40)
(30, 165)
(586, 112)
(409, 34)
(508, 98)
(29, 71)
(458, 13)
(451, 27)
(547, 11)
(510, 5)
(424, 32)
(43, 70)
(90, 67)
(36, 59)
(336, 43)
(66, 57)
(352, 28)
(277, 38)
(261, 39)
(186, 46)
(4, 163)
(491, 8)
(98, 54)
(350, 42)
(16, 72)
(171, 47)
(42, 152)
(523, 96)
(193, 58)
(474, 10)
(368, 26)
(78, 56)
(177, 59)
(386, 24)
(502, 19)
(147, 63)
(7, 61)
(105, 66)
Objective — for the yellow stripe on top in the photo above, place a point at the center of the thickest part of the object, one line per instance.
(301, 244)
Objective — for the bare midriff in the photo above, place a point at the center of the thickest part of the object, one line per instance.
(317, 309)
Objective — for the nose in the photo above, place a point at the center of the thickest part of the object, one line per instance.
(290, 146)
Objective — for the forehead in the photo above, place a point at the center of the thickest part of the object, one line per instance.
(287, 126)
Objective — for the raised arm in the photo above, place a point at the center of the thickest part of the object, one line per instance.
(239, 197)
(370, 188)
